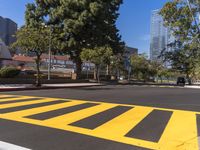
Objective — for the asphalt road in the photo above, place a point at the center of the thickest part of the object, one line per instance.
(148, 130)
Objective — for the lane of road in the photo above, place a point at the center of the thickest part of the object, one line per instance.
(109, 123)
(175, 98)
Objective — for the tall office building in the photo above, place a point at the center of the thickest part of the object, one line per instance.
(159, 36)
(8, 28)
(198, 17)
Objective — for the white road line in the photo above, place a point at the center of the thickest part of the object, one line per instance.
(8, 146)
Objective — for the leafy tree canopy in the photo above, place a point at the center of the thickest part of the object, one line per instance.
(82, 23)
(180, 18)
(35, 41)
(99, 56)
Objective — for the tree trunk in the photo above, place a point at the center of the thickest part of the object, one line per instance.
(107, 70)
(38, 77)
(95, 73)
(78, 68)
(189, 79)
(118, 74)
(98, 74)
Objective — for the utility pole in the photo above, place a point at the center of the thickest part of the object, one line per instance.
(50, 43)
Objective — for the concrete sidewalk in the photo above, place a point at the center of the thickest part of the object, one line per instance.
(21, 87)
(16, 87)
(192, 86)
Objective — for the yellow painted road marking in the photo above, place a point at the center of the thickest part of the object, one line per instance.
(2, 96)
(43, 109)
(78, 115)
(25, 103)
(180, 132)
(15, 98)
(122, 124)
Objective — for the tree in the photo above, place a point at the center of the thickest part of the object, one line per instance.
(154, 68)
(98, 56)
(82, 24)
(185, 49)
(139, 66)
(35, 41)
(117, 64)
(144, 68)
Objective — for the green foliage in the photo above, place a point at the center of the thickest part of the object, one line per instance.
(32, 40)
(117, 64)
(35, 40)
(81, 24)
(144, 69)
(185, 52)
(141, 67)
(99, 56)
(9, 72)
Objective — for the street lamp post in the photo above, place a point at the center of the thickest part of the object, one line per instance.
(50, 44)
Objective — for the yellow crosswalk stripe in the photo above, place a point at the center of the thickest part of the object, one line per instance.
(25, 103)
(16, 98)
(122, 124)
(103, 135)
(78, 115)
(180, 133)
(2, 96)
(43, 109)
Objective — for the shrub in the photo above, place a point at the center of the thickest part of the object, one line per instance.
(9, 72)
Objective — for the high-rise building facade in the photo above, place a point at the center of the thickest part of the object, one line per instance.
(8, 29)
(159, 36)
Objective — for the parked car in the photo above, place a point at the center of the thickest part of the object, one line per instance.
(181, 81)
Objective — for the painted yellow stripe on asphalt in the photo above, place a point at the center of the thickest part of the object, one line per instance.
(158, 108)
(43, 109)
(25, 103)
(2, 96)
(78, 115)
(122, 139)
(122, 124)
(57, 125)
(16, 98)
(180, 133)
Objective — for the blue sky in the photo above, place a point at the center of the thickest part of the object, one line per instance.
(133, 23)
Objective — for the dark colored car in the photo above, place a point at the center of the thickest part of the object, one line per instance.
(181, 81)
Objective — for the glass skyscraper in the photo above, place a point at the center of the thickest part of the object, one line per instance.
(159, 36)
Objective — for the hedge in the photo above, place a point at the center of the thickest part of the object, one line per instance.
(9, 72)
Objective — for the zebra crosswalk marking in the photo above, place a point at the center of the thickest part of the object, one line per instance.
(25, 103)
(78, 115)
(38, 110)
(6, 99)
(180, 133)
(122, 124)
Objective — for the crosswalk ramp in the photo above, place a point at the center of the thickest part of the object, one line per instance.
(147, 127)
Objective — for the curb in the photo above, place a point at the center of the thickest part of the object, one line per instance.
(45, 88)
(168, 86)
